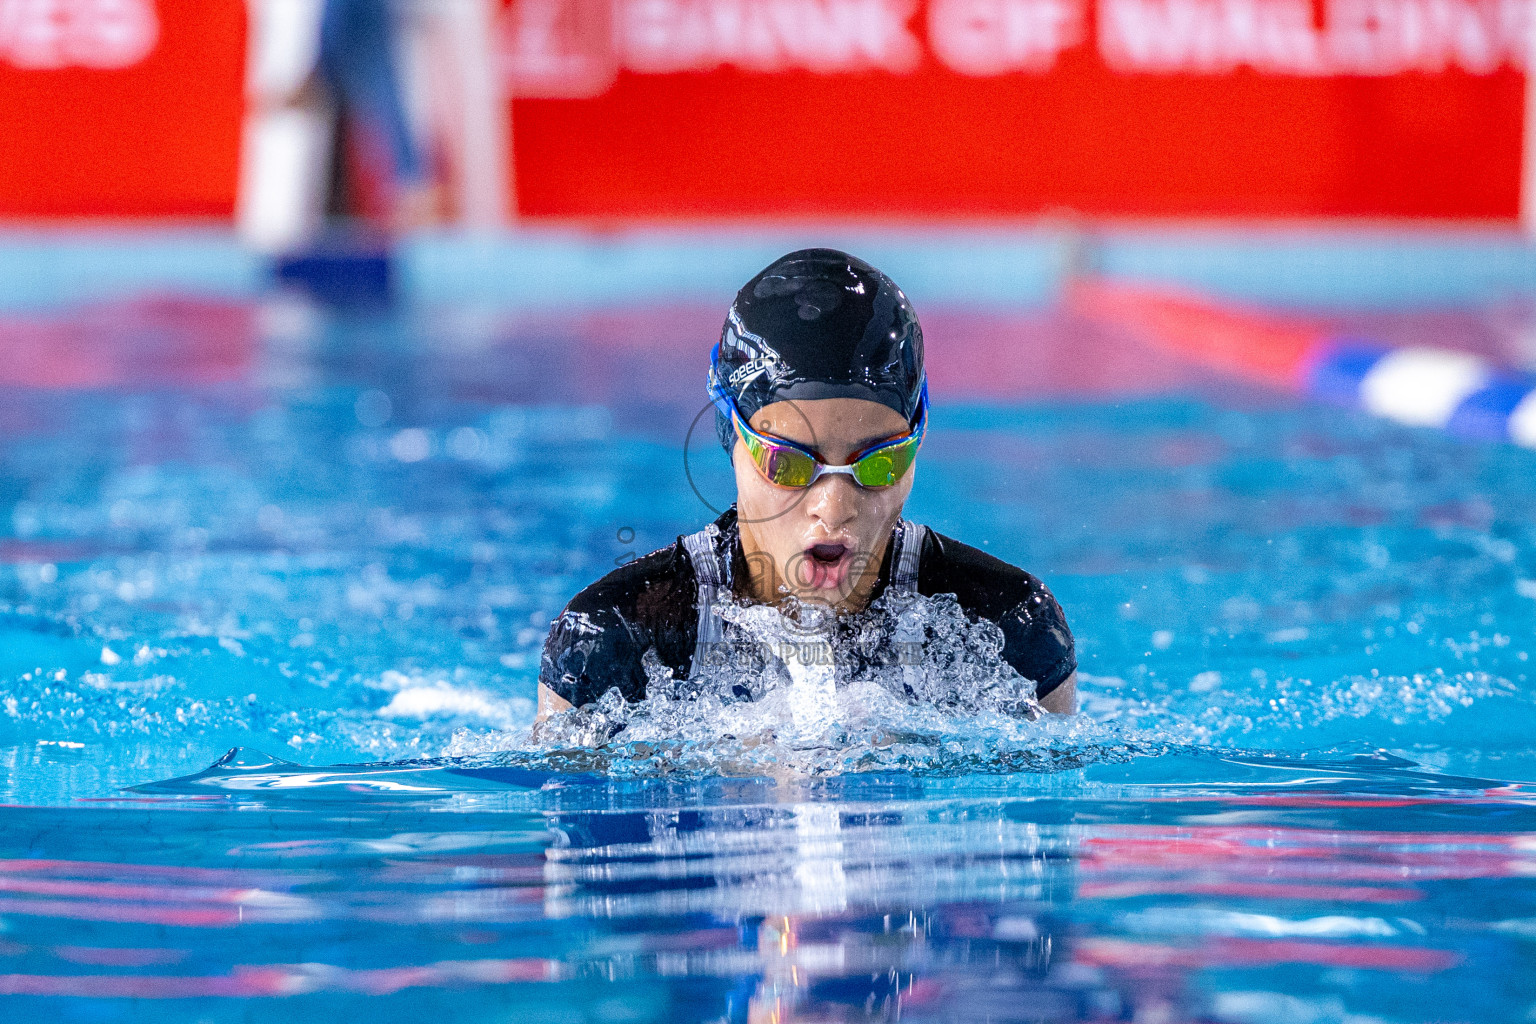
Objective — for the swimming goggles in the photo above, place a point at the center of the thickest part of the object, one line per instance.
(788, 464)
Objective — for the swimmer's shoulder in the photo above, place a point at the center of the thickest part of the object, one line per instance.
(1037, 641)
(659, 587)
(601, 637)
(982, 582)
(641, 587)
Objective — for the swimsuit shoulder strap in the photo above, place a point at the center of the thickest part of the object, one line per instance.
(710, 571)
(907, 556)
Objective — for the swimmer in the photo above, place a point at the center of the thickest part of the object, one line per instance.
(821, 401)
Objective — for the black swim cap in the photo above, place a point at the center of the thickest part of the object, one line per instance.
(819, 323)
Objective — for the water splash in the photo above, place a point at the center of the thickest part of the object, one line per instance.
(910, 684)
(913, 684)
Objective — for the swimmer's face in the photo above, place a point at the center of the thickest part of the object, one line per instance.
(823, 543)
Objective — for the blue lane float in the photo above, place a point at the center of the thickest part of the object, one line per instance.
(1425, 387)
(1421, 386)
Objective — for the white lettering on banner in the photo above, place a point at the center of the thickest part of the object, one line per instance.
(983, 38)
(1361, 37)
(559, 48)
(767, 35)
(48, 34)
(1384, 37)
(1208, 35)
(577, 47)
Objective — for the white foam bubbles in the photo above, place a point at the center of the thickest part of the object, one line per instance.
(421, 698)
(910, 684)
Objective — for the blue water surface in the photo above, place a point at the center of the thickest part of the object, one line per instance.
(1301, 792)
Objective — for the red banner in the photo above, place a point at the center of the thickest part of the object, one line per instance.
(643, 109)
(654, 109)
(113, 108)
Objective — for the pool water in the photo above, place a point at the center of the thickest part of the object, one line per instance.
(1303, 789)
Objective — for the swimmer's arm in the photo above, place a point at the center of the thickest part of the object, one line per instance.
(1060, 701)
(551, 703)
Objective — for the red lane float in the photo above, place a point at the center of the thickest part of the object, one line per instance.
(1416, 385)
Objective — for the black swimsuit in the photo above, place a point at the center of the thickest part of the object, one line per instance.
(654, 603)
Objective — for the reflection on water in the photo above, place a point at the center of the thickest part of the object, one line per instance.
(1275, 890)
(1304, 638)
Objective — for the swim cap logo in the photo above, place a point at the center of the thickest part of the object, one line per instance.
(748, 371)
(738, 342)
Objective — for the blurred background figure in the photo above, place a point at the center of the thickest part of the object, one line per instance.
(379, 112)
(357, 63)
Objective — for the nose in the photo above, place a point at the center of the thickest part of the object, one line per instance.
(834, 501)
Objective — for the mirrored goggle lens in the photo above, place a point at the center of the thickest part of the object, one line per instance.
(782, 465)
(885, 466)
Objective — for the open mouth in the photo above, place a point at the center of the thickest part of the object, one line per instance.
(828, 554)
(826, 566)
